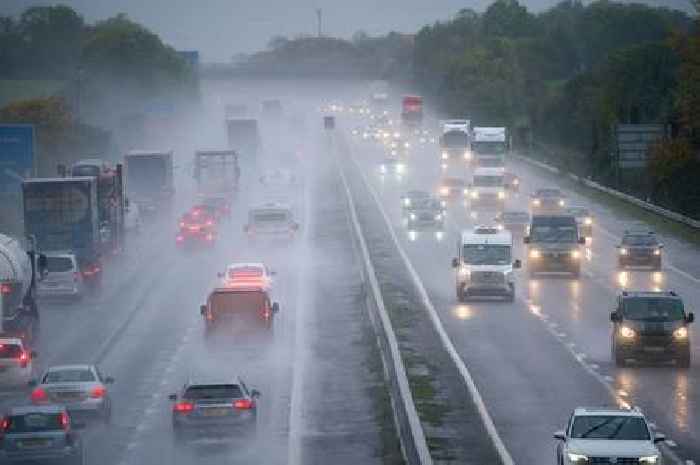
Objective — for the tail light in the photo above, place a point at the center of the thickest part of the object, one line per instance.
(210, 237)
(4, 425)
(183, 407)
(23, 359)
(39, 396)
(98, 392)
(180, 238)
(243, 404)
(210, 222)
(63, 420)
(182, 224)
(5, 288)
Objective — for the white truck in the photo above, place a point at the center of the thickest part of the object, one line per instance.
(488, 187)
(455, 141)
(489, 146)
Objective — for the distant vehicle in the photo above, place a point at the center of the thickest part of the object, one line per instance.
(379, 95)
(608, 435)
(412, 110)
(272, 108)
(650, 326)
(218, 207)
(489, 146)
(453, 188)
(247, 275)
(82, 389)
(149, 180)
(484, 264)
(235, 110)
(359, 108)
(243, 136)
(243, 309)
(547, 201)
(398, 147)
(271, 220)
(64, 278)
(487, 187)
(391, 165)
(511, 181)
(280, 180)
(410, 197)
(514, 221)
(214, 408)
(554, 245)
(583, 218)
(455, 143)
(640, 247)
(425, 215)
(216, 172)
(39, 434)
(16, 362)
(196, 227)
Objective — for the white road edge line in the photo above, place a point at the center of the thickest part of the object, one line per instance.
(402, 380)
(506, 458)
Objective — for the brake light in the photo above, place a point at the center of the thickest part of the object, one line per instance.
(182, 224)
(63, 420)
(243, 404)
(98, 392)
(39, 396)
(5, 424)
(23, 359)
(5, 288)
(180, 238)
(183, 407)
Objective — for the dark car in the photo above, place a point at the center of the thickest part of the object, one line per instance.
(651, 326)
(425, 214)
(640, 248)
(39, 434)
(214, 409)
(243, 308)
(553, 245)
(547, 201)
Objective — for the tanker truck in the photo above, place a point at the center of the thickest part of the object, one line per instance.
(19, 271)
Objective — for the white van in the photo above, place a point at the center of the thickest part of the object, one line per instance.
(488, 187)
(484, 264)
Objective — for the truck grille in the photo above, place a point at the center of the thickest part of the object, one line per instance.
(614, 460)
(488, 277)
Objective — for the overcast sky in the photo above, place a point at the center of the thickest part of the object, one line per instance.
(223, 28)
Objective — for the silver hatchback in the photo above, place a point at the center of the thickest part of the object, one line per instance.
(63, 278)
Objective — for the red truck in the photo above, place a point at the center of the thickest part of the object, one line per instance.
(412, 110)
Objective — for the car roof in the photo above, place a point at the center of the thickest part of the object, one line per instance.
(416, 193)
(489, 171)
(667, 294)
(548, 191)
(25, 409)
(239, 290)
(604, 411)
(201, 379)
(138, 153)
(559, 219)
(271, 206)
(233, 266)
(69, 367)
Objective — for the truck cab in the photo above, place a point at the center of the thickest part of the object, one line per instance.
(488, 187)
(554, 243)
(246, 309)
(455, 142)
(489, 146)
(484, 264)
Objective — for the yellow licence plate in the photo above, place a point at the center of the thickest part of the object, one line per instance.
(215, 412)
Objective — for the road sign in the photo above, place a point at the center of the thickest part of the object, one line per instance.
(17, 147)
(633, 142)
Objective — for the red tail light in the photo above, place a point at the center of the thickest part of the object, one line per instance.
(5, 288)
(210, 237)
(23, 359)
(98, 392)
(180, 238)
(183, 407)
(243, 404)
(4, 424)
(39, 396)
(182, 224)
(63, 420)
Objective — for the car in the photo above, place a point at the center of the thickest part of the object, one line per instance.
(16, 362)
(484, 265)
(511, 181)
(214, 408)
(453, 188)
(64, 278)
(547, 200)
(82, 389)
(640, 247)
(607, 436)
(271, 220)
(398, 147)
(410, 197)
(487, 187)
(391, 165)
(583, 218)
(515, 221)
(40, 434)
(216, 206)
(196, 227)
(650, 326)
(246, 274)
(425, 214)
(244, 308)
(553, 244)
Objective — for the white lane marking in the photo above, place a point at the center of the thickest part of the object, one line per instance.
(506, 458)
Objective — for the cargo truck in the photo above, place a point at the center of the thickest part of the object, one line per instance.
(149, 180)
(216, 172)
(455, 141)
(412, 110)
(489, 146)
(243, 136)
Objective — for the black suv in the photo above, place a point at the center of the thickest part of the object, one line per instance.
(640, 248)
(651, 326)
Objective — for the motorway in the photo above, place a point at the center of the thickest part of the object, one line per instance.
(144, 328)
(548, 352)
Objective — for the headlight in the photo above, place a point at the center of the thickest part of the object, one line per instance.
(561, 203)
(467, 155)
(577, 457)
(412, 216)
(575, 254)
(516, 181)
(588, 221)
(382, 169)
(536, 202)
(475, 194)
(464, 272)
(407, 202)
(397, 135)
(534, 253)
(626, 332)
(499, 226)
(649, 459)
(681, 333)
(657, 252)
(501, 195)
(444, 191)
(400, 168)
(623, 251)
(445, 155)
(407, 145)
(438, 217)
(394, 152)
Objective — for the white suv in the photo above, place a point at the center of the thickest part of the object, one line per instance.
(608, 436)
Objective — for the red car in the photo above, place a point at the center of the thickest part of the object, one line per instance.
(196, 227)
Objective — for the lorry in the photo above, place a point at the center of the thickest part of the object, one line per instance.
(379, 95)
(412, 110)
(455, 141)
(62, 215)
(489, 146)
(216, 172)
(243, 136)
(110, 201)
(20, 269)
(149, 180)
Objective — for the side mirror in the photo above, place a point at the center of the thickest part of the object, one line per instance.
(172, 397)
(559, 435)
(202, 310)
(109, 380)
(690, 317)
(615, 317)
(32, 383)
(272, 273)
(295, 226)
(43, 264)
(275, 307)
(526, 239)
(581, 240)
(33, 354)
(659, 437)
(255, 393)
(517, 264)
(455, 263)
(661, 246)
(220, 274)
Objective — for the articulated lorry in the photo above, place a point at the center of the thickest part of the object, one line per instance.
(455, 141)
(216, 172)
(490, 146)
(412, 111)
(149, 180)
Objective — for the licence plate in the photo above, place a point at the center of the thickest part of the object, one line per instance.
(34, 443)
(68, 395)
(654, 349)
(215, 412)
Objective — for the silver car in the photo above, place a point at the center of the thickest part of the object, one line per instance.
(82, 389)
(64, 278)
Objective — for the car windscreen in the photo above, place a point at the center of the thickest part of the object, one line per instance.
(72, 375)
(58, 264)
(553, 233)
(213, 391)
(486, 254)
(653, 309)
(548, 193)
(495, 148)
(237, 302)
(10, 351)
(426, 204)
(455, 139)
(85, 170)
(270, 217)
(639, 240)
(488, 181)
(34, 423)
(490, 162)
(515, 217)
(622, 428)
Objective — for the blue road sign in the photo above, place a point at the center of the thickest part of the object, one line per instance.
(16, 155)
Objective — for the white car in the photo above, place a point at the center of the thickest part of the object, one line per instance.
(271, 220)
(247, 274)
(16, 367)
(608, 435)
(64, 278)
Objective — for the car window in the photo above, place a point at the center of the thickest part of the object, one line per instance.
(34, 422)
(486, 254)
(10, 351)
(652, 309)
(213, 391)
(639, 240)
(556, 234)
(73, 375)
(624, 428)
(59, 264)
(270, 217)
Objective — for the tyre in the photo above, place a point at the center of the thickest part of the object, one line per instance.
(619, 359)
